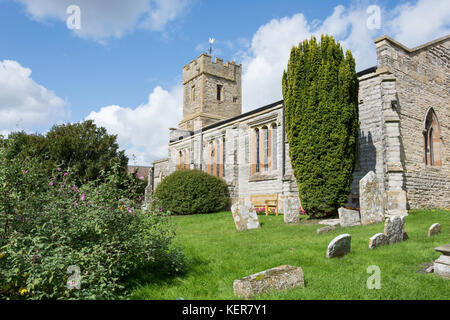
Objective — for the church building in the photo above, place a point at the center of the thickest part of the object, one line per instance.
(404, 120)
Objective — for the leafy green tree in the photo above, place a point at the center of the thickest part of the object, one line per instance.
(84, 147)
(320, 90)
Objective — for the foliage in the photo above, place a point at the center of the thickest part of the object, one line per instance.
(84, 147)
(48, 223)
(320, 90)
(192, 191)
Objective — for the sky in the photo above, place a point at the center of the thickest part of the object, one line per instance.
(120, 62)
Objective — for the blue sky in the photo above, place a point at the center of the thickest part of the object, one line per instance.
(123, 67)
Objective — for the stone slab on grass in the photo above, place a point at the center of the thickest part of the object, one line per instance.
(442, 264)
(244, 215)
(279, 278)
(326, 229)
(339, 246)
(330, 222)
(349, 218)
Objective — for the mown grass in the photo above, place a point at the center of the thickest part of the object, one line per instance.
(218, 255)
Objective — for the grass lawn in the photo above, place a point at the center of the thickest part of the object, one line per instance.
(218, 255)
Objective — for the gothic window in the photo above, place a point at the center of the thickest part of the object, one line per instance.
(265, 136)
(218, 159)
(274, 146)
(223, 157)
(186, 160)
(211, 159)
(432, 139)
(257, 161)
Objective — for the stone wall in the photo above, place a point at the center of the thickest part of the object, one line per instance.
(422, 81)
(201, 79)
(237, 166)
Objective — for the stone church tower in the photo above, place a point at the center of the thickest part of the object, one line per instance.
(212, 92)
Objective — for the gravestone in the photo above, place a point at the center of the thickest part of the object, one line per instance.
(326, 229)
(244, 215)
(291, 210)
(339, 246)
(349, 218)
(442, 264)
(434, 229)
(371, 200)
(279, 278)
(394, 231)
(378, 240)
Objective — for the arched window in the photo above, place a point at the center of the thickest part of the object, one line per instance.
(223, 157)
(432, 139)
(186, 160)
(265, 136)
(274, 146)
(213, 151)
(257, 162)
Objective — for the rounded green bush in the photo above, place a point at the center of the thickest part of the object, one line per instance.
(192, 191)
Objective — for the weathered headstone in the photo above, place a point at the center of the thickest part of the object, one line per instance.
(291, 210)
(371, 200)
(244, 216)
(349, 218)
(279, 278)
(326, 229)
(442, 264)
(378, 240)
(434, 229)
(394, 231)
(339, 246)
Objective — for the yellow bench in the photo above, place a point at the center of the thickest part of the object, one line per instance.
(265, 200)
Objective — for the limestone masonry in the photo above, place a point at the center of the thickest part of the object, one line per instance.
(404, 118)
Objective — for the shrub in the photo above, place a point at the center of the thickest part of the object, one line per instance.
(192, 191)
(320, 90)
(48, 224)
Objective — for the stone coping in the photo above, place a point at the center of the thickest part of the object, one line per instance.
(445, 249)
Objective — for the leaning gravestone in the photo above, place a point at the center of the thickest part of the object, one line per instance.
(371, 200)
(349, 218)
(434, 229)
(291, 208)
(244, 216)
(279, 278)
(442, 264)
(339, 246)
(394, 231)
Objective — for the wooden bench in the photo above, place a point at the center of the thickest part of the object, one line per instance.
(265, 200)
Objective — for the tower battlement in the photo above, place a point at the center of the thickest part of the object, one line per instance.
(205, 65)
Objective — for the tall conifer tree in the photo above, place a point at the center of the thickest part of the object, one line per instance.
(320, 90)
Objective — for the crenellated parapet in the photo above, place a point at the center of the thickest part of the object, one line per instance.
(205, 65)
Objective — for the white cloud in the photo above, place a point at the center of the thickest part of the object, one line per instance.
(267, 57)
(143, 131)
(102, 19)
(24, 104)
(164, 12)
(417, 24)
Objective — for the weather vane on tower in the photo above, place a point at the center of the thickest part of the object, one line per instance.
(211, 41)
